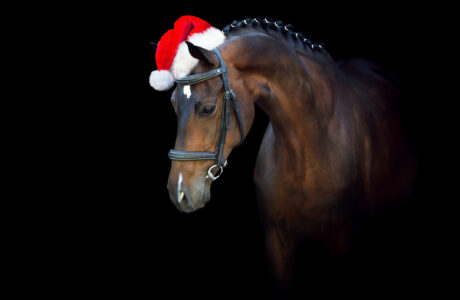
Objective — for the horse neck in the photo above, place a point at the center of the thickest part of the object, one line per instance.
(294, 88)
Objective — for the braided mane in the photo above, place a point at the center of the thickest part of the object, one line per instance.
(276, 29)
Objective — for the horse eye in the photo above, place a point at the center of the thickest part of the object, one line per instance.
(207, 109)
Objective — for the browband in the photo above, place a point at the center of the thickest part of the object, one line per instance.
(200, 77)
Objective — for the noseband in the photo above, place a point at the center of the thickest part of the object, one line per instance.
(229, 97)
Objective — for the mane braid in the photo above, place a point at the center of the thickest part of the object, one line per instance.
(269, 26)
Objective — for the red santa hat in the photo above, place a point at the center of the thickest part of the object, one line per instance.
(172, 56)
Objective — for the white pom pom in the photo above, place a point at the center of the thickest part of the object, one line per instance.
(161, 80)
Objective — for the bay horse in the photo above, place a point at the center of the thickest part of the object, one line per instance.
(334, 151)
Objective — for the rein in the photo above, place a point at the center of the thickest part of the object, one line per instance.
(229, 98)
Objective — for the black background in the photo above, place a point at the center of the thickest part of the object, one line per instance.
(117, 230)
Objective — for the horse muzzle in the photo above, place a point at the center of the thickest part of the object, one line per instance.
(189, 196)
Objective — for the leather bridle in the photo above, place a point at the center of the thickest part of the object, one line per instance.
(229, 98)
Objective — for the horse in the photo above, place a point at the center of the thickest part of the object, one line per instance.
(334, 153)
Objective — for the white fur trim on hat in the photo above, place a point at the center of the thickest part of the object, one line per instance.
(208, 39)
(183, 62)
(161, 80)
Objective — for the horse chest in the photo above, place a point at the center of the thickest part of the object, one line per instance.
(274, 183)
(288, 191)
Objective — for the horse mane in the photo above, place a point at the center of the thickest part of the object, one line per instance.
(356, 70)
(281, 32)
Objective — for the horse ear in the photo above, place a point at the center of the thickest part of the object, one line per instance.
(207, 57)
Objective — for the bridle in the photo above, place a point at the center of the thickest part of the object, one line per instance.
(228, 98)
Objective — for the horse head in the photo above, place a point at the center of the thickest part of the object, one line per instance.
(211, 122)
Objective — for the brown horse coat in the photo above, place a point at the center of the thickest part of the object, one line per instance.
(334, 153)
